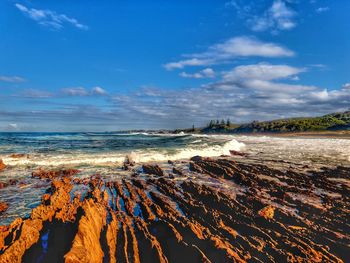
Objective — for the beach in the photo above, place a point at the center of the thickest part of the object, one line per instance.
(174, 198)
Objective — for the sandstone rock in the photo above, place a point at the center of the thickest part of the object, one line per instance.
(178, 171)
(50, 174)
(152, 169)
(3, 185)
(2, 165)
(13, 181)
(267, 212)
(3, 207)
(86, 244)
(237, 153)
(18, 155)
(128, 163)
(196, 158)
(163, 220)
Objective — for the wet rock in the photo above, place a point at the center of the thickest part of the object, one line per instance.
(50, 174)
(128, 163)
(152, 169)
(237, 153)
(163, 220)
(13, 181)
(3, 185)
(3, 207)
(267, 212)
(178, 171)
(18, 155)
(196, 158)
(2, 165)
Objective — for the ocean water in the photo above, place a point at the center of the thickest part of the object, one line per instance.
(104, 153)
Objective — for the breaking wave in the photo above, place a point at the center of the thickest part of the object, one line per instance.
(139, 156)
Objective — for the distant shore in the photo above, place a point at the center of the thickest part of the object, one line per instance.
(311, 134)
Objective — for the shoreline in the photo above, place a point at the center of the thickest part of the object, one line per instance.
(209, 209)
(316, 135)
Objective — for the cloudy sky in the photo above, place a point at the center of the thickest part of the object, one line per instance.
(115, 65)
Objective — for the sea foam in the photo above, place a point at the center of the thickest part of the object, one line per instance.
(138, 156)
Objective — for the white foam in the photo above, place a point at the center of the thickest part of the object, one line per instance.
(139, 156)
(209, 151)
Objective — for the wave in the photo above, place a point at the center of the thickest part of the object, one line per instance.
(139, 156)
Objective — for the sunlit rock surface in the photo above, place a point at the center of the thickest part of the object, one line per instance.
(235, 212)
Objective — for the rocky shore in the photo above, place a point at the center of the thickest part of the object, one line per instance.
(258, 214)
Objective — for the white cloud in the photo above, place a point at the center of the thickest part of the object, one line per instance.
(50, 18)
(244, 98)
(322, 9)
(98, 91)
(78, 91)
(205, 73)
(233, 48)
(262, 72)
(11, 79)
(83, 92)
(11, 127)
(189, 62)
(34, 93)
(278, 17)
(346, 86)
(259, 91)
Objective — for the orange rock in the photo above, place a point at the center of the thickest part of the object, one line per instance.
(267, 212)
(86, 244)
(14, 228)
(50, 174)
(3, 185)
(17, 155)
(3, 207)
(111, 237)
(45, 197)
(29, 235)
(2, 165)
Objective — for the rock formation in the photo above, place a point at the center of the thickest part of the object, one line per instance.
(50, 174)
(152, 169)
(3, 207)
(2, 165)
(162, 220)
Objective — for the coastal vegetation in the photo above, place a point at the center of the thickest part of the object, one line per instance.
(329, 122)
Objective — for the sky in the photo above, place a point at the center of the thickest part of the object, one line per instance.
(89, 65)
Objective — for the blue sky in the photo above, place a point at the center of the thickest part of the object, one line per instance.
(110, 65)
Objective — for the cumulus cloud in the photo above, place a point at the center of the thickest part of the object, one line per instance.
(50, 18)
(12, 79)
(245, 93)
(77, 91)
(278, 17)
(235, 47)
(205, 73)
(83, 92)
(262, 71)
(346, 86)
(98, 91)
